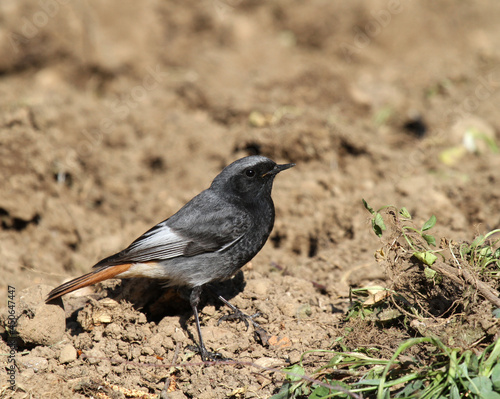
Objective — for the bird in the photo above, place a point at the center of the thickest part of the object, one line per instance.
(208, 240)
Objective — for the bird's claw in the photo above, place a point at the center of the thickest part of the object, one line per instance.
(262, 335)
(206, 355)
(238, 315)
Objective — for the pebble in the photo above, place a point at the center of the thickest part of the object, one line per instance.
(68, 354)
(32, 362)
(288, 309)
(39, 323)
(268, 362)
(95, 356)
(294, 357)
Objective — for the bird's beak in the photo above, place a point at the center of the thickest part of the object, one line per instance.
(279, 168)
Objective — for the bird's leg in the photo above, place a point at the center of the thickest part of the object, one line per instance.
(241, 316)
(194, 300)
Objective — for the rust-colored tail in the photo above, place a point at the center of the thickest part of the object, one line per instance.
(95, 276)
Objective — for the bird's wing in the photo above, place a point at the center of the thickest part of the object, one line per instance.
(193, 230)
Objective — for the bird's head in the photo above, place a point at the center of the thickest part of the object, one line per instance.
(249, 178)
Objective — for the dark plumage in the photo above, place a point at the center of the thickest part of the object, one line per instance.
(209, 239)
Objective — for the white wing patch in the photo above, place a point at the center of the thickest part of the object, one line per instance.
(159, 243)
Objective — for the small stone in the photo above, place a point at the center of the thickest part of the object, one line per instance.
(294, 357)
(97, 334)
(123, 348)
(32, 362)
(142, 318)
(209, 310)
(178, 335)
(108, 302)
(102, 318)
(280, 343)
(257, 119)
(95, 356)
(268, 362)
(304, 311)
(288, 309)
(113, 330)
(38, 323)
(146, 350)
(68, 354)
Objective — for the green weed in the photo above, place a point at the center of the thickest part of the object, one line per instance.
(432, 369)
(423, 254)
(453, 374)
(481, 253)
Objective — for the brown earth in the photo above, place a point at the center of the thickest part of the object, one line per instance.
(114, 115)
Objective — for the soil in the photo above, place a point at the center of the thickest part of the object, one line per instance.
(114, 115)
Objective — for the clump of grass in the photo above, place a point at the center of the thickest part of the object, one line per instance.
(429, 363)
(482, 255)
(454, 375)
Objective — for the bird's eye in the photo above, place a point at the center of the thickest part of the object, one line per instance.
(250, 172)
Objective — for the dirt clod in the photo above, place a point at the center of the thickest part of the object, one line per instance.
(38, 323)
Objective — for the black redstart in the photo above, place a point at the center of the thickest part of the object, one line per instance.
(209, 239)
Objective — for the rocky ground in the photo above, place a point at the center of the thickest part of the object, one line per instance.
(114, 115)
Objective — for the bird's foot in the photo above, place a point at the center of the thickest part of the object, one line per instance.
(239, 316)
(260, 333)
(206, 355)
